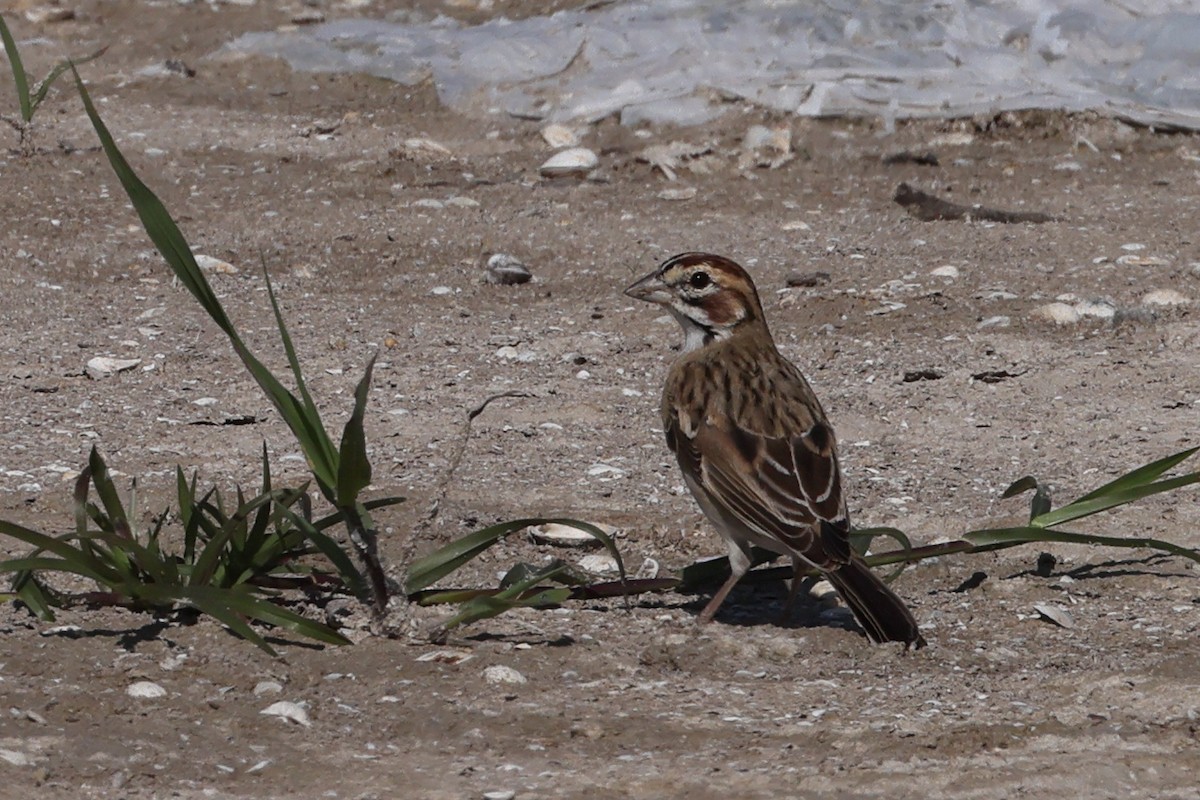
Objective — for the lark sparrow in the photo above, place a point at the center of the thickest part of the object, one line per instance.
(752, 440)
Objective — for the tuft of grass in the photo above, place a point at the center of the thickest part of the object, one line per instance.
(28, 101)
(229, 566)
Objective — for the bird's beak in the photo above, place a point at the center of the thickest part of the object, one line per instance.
(651, 289)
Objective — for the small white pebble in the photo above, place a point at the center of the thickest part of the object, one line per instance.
(498, 673)
(292, 712)
(146, 689)
(1164, 297)
(1058, 313)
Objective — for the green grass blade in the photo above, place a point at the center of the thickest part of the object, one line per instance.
(215, 559)
(337, 556)
(20, 80)
(40, 94)
(354, 468)
(34, 595)
(337, 517)
(1140, 476)
(491, 606)
(1040, 504)
(424, 572)
(107, 492)
(486, 606)
(1111, 499)
(318, 447)
(83, 560)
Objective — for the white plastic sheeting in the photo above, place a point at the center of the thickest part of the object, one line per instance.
(679, 60)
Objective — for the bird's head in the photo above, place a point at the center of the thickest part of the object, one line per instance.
(711, 296)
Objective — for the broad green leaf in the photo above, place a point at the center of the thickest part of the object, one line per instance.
(1140, 476)
(1111, 499)
(354, 468)
(1040, 503)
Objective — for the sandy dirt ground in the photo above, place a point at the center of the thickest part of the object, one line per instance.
(927, 341)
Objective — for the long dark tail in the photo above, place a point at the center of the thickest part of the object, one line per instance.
(881, 613)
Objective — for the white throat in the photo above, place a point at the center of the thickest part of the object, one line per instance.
(694, 335)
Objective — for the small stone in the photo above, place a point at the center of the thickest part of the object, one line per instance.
(426, 148)
(308, 16)
(15, 757)
(458, 201)
(1058, 313)
(428, 202)
(146, 689)
(1099, 309)
(573, 161)
(558, 136)
(995, 322)
(560, 535)
(103, 366)
(292, 712)
(1056, 614)
(600, 563)
(795, 225)
(948, 271)
(1164, 297)
(506, 270)
(267, 687)
(608, 471)
(807, 279)
(44, 14)
(441, 291)
(214, 265)
(1130, 260)
(446, 656)
(955, 139)
(686, 193)
(498, 673)
(502, 794)
(583, 375)
(1068, 166)
(204, 402)
(1133, 247)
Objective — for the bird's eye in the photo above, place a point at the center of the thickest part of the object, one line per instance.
(699, 280)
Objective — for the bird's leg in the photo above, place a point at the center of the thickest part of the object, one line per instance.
(739, 564)
(798, 568)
